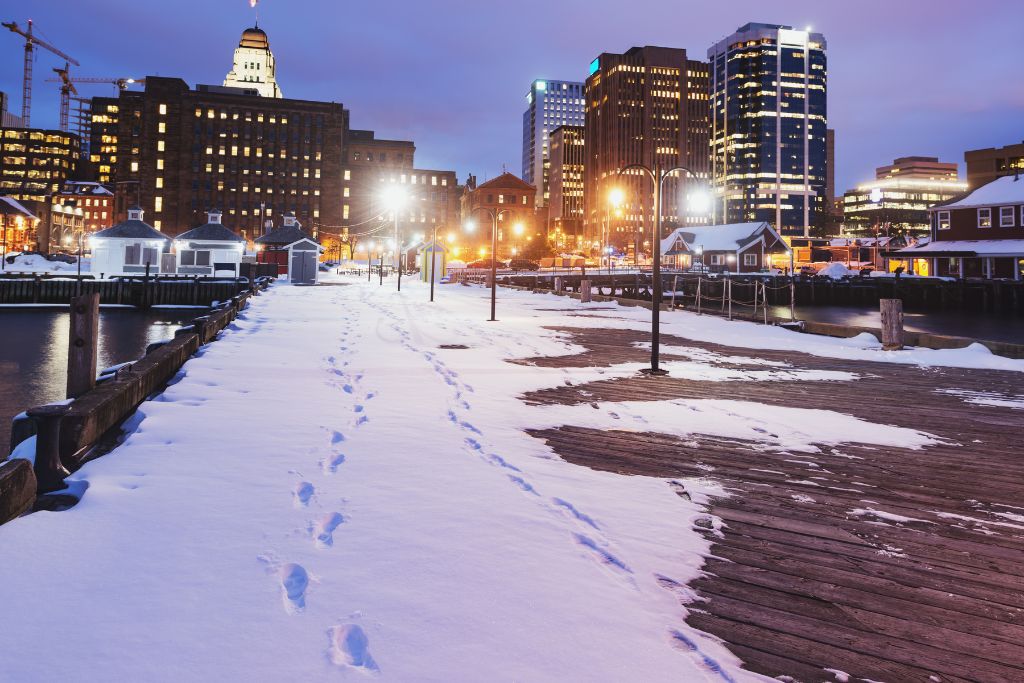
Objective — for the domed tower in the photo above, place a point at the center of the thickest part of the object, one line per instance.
(254, 65)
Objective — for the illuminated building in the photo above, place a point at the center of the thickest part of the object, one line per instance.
(565, 205)
(647, 106)
(985, 165)
(80, 208)
(34, 163)
(254, 66)
(103, 123)
(510, 197)
(181, 152)
(898, 199)
(769, 121)
(550, 104)
(17, 227)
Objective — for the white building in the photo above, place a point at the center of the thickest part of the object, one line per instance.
(128, 247)
(254, 67)
(210, 249)
(550, 104)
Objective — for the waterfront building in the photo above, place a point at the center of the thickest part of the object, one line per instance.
(769, 127)
(181, 151)
(985, 165)
(254, 66)
(18, 226)
(131, 247)
(978, 235)
(550, 104)
(896, 202)
(565, 205)
(513, 200)
(209, 249)
(295, 252)
(34, 163)
(735, 248)
(647, 106)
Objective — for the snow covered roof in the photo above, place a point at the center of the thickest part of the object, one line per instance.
(211, 232)
(285, 235)
(1005, 190)
(729, 237)
(132, 229)
(966, 247)
(858, 241)
(10, 205)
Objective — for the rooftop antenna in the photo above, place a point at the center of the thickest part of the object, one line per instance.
(253, 3)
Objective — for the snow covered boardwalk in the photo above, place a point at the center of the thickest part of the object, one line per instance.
(344, 485)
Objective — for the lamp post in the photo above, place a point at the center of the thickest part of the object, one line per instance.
(433, 254)
(3, 260)
(494, 250)
(615, 199)
(395, 198)
(657, 176)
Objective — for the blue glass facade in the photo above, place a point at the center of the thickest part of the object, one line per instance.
(769, 127)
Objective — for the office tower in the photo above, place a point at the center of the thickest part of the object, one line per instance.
(550, 104)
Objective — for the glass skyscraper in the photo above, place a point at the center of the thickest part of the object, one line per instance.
(550, 104)
(769, 122)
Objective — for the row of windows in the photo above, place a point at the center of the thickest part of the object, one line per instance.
(1007, 216)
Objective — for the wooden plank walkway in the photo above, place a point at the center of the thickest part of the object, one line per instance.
(928, 587)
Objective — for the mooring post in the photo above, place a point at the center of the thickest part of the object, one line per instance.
(50, 472)
(585, 296)
(892, 324)
(82, 344)
(792, 300)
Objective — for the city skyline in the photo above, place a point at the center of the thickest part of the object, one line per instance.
(398, 78)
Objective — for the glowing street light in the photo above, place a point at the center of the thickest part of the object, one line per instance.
(470, 226)
(394, 199)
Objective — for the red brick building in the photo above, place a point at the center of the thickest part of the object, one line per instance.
(513, 200)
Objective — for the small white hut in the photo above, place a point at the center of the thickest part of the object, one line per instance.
(295, 252)
(128, 248)
(210, 249)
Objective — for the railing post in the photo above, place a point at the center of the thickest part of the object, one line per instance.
(82, 344)
(50, 472)
(792, 300)
(699, 280)
(729, 288)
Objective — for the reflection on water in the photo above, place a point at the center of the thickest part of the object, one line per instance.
(954, 323)
(34, 352)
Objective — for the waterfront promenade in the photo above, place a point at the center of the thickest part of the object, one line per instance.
(357, 480)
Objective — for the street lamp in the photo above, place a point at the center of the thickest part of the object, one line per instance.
(395, 199)
(470, 227)
(615, 199)
(657, 176)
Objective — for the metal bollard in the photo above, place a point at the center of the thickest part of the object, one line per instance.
(50, 471)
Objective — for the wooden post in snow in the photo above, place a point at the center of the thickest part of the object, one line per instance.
(585, 291)
(82, 344)
(892, 324)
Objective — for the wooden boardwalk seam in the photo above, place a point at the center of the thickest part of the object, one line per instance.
(799, 582)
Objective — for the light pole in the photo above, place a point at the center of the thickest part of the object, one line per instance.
(657, 176)
(3, 261)
(395, 198)
(615, 199)
(470, 226)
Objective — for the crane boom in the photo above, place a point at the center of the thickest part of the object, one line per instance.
(31, 41)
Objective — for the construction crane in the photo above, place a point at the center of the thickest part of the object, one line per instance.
(31, 41)
(67, 88)
(121, 83)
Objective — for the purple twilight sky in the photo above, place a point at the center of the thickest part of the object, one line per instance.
(906, 77)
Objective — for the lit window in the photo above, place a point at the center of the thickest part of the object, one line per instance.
(159, 183)
(160, 145)
(750, 259)
(159, 164)
(943, 220)
(163, 110)
(135, 167)
(344, 211)
(345, 193)
(158, 203)
(985, 218)
(348, 175)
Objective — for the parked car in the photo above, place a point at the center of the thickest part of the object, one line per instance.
(522, 264)
(484, 263)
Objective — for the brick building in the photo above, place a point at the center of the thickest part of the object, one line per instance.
(514, 201)
(648, 106)
(34, 163)
(182, 151)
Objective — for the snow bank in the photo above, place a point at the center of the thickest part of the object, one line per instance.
(35, 263)
(837, 271)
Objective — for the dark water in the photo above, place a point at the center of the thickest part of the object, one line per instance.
(1003, 328)
(34, 352)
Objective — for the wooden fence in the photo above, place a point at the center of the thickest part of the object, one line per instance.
(127, 291)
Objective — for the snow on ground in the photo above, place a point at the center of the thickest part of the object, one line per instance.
(987, 398)
(34, 263)
(326, 491)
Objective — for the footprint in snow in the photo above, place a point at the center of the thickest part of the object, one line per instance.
(301, 494)
(331, 463)
(349, 647)
(323, 530)
(358, 408)
(294, 581)
(523, 484)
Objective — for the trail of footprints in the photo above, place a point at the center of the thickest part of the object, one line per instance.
(347, 644)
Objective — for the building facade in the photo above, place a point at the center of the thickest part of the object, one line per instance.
(103, 125)
(565, 205)
(18, 227)
(254, 65)
(181, 152)
(985, 165)
(978, 235)
(34, 163)
(550, 104)
(647, 106)
(769, 127)
(513, 201)
(896, 202)
(78, 210)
